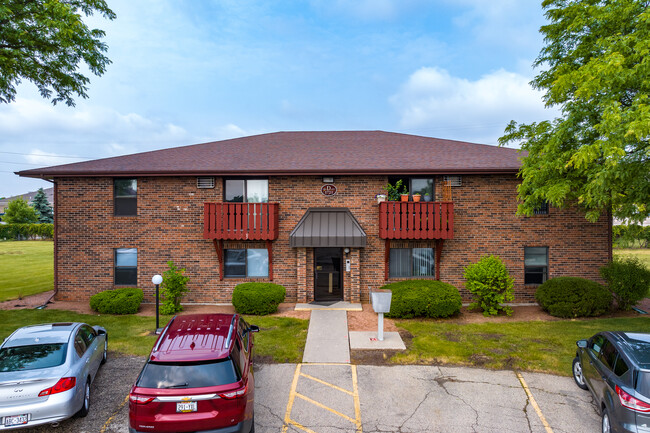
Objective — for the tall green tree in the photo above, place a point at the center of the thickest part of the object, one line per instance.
(596, 69)
(44, 41)
(41, 204)
(18, 211)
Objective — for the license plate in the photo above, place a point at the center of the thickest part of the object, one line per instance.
(16, 420)
(189, 406)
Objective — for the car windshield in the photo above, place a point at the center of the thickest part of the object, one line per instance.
(187, 375)
(32, 357)
(643, 384)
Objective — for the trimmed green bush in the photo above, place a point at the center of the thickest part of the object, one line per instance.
(125, 300)
(258, 299)
(423, 298)
(628, 280)
(573, 297)
(488, 280)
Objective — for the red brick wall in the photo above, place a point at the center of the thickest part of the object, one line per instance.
(169, 226)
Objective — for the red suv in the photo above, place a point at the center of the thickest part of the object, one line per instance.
(198, 378)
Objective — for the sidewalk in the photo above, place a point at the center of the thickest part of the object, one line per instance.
(327, 337)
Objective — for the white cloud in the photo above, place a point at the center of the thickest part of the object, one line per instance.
(39, 157)
(432, 100)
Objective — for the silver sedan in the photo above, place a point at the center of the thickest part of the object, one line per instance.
(46, 372)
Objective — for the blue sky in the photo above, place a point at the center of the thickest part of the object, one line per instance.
(191, 71)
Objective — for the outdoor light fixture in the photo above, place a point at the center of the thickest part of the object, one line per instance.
(328, 179)
(346, 250)
(157, 279)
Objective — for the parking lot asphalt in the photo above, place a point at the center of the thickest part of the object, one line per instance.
(339, 398)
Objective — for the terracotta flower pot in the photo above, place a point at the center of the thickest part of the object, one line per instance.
(416, 198)
(404, 197)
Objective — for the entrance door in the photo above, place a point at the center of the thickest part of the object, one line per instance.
(327, 279)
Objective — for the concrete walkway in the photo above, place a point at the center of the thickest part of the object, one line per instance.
(327, 338)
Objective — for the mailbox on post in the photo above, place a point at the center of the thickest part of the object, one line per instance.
(381, 304)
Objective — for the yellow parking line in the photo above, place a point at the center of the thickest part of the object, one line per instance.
(322, 406)
(326, 383)
(108, 421)
(357, 405)
(293, 394)
(292, 397)
(301, 427)
(534, 403)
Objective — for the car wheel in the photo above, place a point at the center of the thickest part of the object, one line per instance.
(85, 407)
(105, 354)
(577, 373)
(607, 428)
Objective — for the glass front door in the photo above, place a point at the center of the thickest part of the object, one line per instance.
(327, 279)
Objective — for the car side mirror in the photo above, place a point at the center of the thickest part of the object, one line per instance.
(101, 332)
(254, 328)
(581, 344)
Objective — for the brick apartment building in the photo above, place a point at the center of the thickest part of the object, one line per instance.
(300, 209)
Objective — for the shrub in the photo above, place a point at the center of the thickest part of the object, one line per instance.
(31, 231)
(423, 298)
(628, 280)
(257, 298)
(173, 286)
(125, 300)
(488, 280)
(573, 297)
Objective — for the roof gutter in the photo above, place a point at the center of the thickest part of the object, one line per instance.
(52, 175)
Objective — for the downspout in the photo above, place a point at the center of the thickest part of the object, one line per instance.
(55, 239)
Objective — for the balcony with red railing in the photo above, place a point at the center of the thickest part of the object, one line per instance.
(416, 220)
(240, 221)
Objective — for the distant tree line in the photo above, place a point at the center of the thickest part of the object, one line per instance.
(631, 236)
(24, 221)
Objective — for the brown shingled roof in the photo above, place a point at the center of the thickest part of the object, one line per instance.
(293, 153)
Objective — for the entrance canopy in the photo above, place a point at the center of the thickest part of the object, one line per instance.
(328, 227)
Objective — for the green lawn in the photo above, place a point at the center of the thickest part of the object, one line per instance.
(643, 254)
(281, 339)
(531, 346)
(26, 268)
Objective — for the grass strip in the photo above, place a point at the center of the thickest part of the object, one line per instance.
(547, 347)
(281, 339)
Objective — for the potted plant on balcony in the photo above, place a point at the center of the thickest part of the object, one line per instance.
(427, 197)
(395, 191)
(416, 197)
(381, 197)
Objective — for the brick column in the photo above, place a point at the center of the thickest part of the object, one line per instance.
(355, 275)
(301, 274)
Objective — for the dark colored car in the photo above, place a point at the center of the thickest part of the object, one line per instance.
(198, 378)
(615, 367)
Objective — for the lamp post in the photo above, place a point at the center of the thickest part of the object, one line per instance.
(157, 279)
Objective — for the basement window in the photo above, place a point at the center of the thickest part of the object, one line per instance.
(535, 265)
(246, 263)
(126, 266)
(411, 262)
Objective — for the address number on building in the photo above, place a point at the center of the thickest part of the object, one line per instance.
(328, 190)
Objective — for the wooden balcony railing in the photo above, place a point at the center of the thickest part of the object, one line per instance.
(411, 220)
(240, 221)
